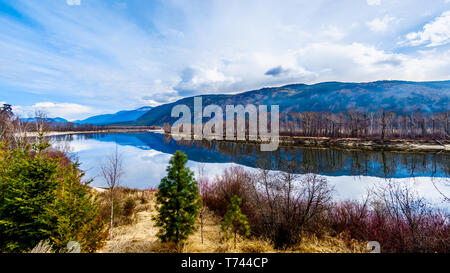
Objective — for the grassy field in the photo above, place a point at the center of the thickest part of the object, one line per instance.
(134, 232)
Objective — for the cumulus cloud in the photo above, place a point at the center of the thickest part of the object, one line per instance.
(112, 57)
(435, 33)
(380, 24)
(359, 62)
(69, 111)
(198, 78)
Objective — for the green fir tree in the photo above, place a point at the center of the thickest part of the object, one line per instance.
(235, 221)
(44, 199)
(178, 202)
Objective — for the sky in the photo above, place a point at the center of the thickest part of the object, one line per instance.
(77, 58)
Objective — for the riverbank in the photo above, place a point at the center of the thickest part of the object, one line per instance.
(394, 145)
(360, 144)
(55, 133)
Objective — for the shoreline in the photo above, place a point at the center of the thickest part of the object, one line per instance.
(55, 133)
(391, 145)
(356, 144)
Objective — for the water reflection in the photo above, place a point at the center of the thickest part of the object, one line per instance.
(330, 162)
(146, 156)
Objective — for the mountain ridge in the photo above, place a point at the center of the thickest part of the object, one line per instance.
(397, 96)
(50, 120)
(121, 116)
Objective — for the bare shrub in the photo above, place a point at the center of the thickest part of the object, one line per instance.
(234, 181)
(408, 221)
(129, 207)
(112, 171)
(396, 217)
(287, 204)
(350, 217)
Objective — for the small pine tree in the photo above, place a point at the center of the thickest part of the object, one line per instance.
(178, 202)
(235, 220)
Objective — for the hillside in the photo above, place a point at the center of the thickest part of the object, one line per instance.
(122, 116)
(50, 120)
(397, 96)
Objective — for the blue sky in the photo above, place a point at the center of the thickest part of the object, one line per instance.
(76, 58)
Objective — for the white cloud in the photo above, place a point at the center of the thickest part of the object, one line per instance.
(69, 111)
(334, 32)
(380, 24)
(359, 62)
(433, 34)
(114, 58)
(373, 2)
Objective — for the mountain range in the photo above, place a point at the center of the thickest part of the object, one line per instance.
(49, 120)
(119, 117)
(397, 96)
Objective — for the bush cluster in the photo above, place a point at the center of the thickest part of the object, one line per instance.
(283, 208)
(44, 198)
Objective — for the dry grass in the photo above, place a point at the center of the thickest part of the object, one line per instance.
(139, 235)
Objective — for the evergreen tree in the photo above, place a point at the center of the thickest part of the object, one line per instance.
(28, 185)
(234, 220)
(77, 211)
(43, 198)
(178, 202)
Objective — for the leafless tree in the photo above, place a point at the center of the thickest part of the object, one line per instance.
(203, 183)
(112, 171)
(443, 182)
(167, 128)
(376, 125)
(403, 206)
(287, 203)
(41, 122)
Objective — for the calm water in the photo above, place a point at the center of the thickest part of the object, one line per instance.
(146, 156)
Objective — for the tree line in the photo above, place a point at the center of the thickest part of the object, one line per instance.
(357, 124)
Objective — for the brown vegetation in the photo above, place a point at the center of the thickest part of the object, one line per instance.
(137, 234)
(374, 125)
(285, 209)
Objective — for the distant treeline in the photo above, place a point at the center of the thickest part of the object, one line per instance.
(71, 127)
(75, 127)
(354, 124)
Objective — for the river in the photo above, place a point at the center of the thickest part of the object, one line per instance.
(351, 173)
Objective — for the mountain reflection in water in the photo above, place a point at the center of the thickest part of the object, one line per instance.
(330, 162)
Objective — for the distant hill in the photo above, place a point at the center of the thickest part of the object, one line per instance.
(50, 120)
(119, 117)
(397, 96)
